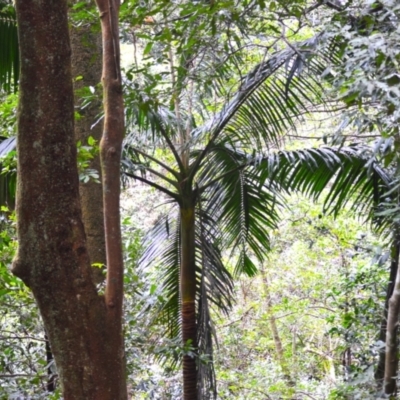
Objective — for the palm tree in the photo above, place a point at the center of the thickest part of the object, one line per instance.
(216, 187)
(233, 209)
(221, 200)
(226, 193)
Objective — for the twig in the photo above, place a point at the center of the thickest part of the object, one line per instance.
(158, 187)
(268, 397)
(308, 395)
(160, 163)
(6, 376)
(237, 320)
(22, 338)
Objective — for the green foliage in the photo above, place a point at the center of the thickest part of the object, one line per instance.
(149, 378)
(9, 55)
(8, 115)
(8, 173)
(346, 174)
(358, 295)
(86, 95)
(85, 155)
(311, 254)
(84, 13)
(367, 77)
(215, 107)
(23, 362)
(219, 83)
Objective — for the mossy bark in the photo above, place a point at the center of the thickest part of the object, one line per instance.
(52, 256)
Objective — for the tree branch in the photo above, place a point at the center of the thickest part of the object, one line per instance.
(161, 164)
(172, 148)
(22, 338)
(23, 376)
(163, 177)
(175, 196)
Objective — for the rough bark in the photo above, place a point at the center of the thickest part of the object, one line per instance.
(394, 265)
(52, 258)
(188, 296)
(391, 356)
(86, 63)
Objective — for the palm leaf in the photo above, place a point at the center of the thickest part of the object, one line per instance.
(244, 209)
(345, 175)
(214, 282)
(9, 52)
(154, 125)
(271, 98)
(162, 251)
(215, 290)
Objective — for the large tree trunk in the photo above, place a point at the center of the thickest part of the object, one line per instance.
(394, 265)
(52, 258)
(86, 63)
(188, 298)
(391, 356)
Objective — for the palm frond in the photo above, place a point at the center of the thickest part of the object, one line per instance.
(245, 210)
(215, 290)
(212, 273)
(272, 97)
(347, 175)
(154, 126)
(9, 51)
(162, 251)
(214, 283)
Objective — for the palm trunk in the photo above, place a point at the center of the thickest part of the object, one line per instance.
(391, 356)
(394, 265)
(188, 298)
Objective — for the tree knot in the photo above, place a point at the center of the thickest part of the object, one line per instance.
(111, 303)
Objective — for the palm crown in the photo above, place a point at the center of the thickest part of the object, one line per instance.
(226, 186)
(224, 176)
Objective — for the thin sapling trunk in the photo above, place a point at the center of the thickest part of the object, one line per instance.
(110, 152)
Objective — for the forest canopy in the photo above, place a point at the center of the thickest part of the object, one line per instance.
(199, 199)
